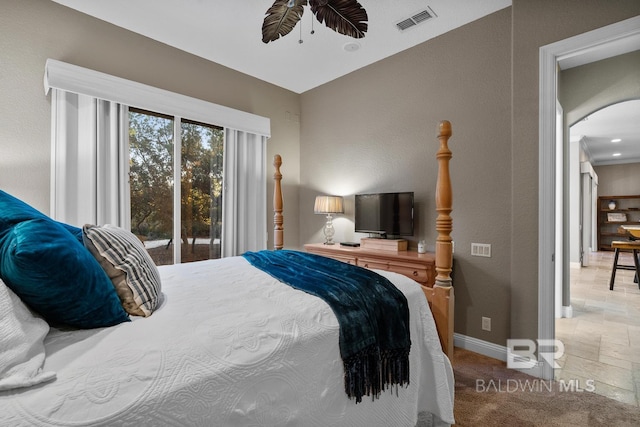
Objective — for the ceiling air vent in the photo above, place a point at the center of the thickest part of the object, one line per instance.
(415, 19)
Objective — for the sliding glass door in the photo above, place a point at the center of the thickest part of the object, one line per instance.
(152, 146)
(201, 191)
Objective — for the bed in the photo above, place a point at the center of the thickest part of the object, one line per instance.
(227, 344)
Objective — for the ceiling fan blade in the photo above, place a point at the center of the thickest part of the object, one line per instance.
(281, 17)
(346, 17)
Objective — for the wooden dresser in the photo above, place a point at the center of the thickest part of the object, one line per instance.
(419, 267)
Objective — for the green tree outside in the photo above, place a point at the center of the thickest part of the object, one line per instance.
(152, 185)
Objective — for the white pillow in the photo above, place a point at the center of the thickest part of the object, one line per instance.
(128, 264)
(21, 343)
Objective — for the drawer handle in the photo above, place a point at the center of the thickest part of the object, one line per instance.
(415, 273)
(366, 266)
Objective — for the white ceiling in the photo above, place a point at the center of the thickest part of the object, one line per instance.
(618, 121)
(230, 33)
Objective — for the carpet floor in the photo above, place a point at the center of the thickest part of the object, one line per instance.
(489, 394)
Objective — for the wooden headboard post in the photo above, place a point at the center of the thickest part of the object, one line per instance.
(443, 290)
(278, 229)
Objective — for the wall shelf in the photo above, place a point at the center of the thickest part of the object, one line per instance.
(627, 210)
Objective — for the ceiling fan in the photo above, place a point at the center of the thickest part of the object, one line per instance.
(346, 17)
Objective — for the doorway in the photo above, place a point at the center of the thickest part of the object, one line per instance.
(593, 46)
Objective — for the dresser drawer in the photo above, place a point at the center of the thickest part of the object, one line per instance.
(419, 267)
(417, 272)
(376, 264)
(344, 258)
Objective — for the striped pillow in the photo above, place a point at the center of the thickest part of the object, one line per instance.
(128, 264)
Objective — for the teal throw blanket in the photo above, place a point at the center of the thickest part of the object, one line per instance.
(372, 314)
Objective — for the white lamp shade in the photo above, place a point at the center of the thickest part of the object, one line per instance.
(328, 205)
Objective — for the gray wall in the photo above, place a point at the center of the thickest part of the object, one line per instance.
(586, 89)
(33, 30)
(618, 180)
(376, 130)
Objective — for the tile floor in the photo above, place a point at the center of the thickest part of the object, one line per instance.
(602, 339)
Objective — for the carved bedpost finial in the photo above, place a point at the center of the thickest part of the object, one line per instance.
(278, 229)
(444, 224)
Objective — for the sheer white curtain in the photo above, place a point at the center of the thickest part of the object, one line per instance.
(244, 225)
(90, 160)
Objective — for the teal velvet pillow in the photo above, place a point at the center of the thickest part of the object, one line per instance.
(75, 231)
(57, 277)
(13, 211)
(46, 265)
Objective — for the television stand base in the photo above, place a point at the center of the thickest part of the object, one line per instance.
(384, 244)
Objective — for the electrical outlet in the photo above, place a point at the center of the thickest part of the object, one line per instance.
(486, 324)
(481, 249)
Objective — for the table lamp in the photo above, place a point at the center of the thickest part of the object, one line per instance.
(328, 205)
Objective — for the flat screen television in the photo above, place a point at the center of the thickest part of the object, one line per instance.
(385, 214)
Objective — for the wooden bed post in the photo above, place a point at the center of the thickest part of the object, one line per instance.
(278, 229)
(443, 296)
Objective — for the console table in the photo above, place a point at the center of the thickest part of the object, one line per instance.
(419, 267)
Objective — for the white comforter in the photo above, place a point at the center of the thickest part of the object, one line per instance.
(229, 346)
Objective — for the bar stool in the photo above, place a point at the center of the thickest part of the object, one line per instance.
(633, 246)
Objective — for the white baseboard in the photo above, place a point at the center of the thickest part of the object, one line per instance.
(492, 350)
(567, 311)
(481, 347)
